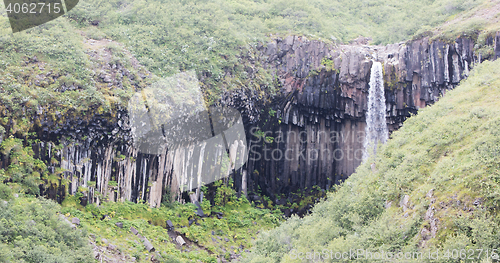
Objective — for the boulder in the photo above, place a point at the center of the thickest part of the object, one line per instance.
(170, 225)
(404, 203)
(199, 211)
(180, 240)
(148, 245)
(133, 230)
(62, 217)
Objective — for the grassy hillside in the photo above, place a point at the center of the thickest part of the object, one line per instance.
(482, 20)
(446, 162)
(39, 230)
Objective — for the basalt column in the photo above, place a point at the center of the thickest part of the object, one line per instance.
(310, 142)
(313, 133)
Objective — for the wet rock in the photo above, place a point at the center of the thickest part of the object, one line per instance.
(199, 211)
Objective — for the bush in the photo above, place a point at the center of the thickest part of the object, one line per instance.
(5, 192)
(32, 231)
(24, 171)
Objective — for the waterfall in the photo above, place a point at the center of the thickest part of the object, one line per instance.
(376, 126)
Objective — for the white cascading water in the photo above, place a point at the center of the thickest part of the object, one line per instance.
(376, 125)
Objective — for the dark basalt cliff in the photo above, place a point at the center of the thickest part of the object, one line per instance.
(316, 137)
(311, 134)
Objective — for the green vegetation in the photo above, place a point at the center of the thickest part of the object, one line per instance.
(213, 236)
(32, 231)
(53, 238)
(478, 23)
(445, 161)
(24, 172)
(183, 27)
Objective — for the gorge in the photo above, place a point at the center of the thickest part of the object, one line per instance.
(317, 119)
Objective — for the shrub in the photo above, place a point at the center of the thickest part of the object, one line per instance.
(5, 192)
(24, 171)
(32, 231)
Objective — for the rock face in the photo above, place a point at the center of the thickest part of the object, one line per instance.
(111, 170)
(318, 133)
(497, 45)
(311, 134)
